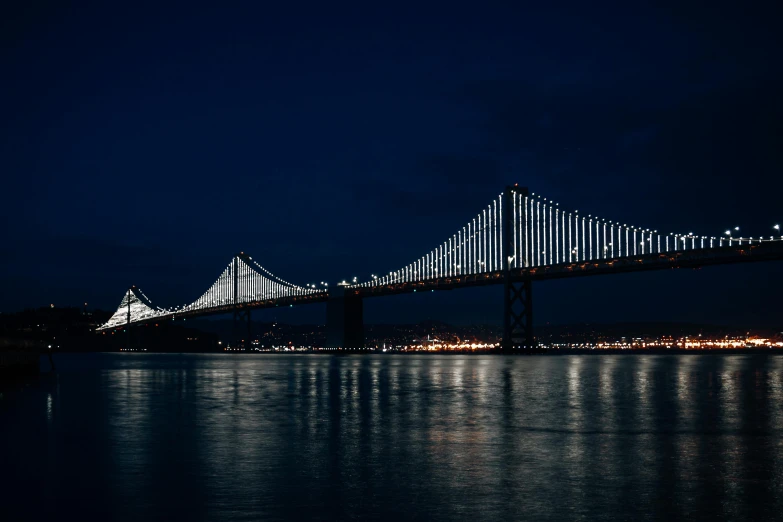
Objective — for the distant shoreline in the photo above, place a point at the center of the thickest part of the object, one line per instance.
(553, 351)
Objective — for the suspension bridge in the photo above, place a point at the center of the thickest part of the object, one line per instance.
(519, 238)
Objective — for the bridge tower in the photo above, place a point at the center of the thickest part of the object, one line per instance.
(517, 290)
(241, 315)
(132, 334)
(128, 323)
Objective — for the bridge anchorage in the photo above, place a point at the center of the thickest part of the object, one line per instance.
(519, 238)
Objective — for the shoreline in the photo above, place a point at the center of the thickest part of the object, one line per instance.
(527, 352)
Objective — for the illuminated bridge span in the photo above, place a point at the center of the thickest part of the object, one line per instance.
(517, 239)
(244, 284)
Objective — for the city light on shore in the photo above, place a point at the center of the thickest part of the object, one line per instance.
(635, 344)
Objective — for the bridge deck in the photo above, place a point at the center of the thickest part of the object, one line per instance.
(230, 308)
(770, 251)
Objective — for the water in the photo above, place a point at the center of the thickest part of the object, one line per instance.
(233, 437)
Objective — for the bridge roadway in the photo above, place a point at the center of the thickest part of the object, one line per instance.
(694, 259)
(230, 308)
(345, 309)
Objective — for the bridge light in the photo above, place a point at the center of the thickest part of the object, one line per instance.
(776, 227)
(736, 228)
(728, 232)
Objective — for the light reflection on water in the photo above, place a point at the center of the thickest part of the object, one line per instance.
(232, 437)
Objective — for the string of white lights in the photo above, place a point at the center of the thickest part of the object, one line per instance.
(139, 310)
(253, 283)
(541, 235)
(474, 249)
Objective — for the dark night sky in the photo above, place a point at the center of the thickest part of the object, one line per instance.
(146, 145)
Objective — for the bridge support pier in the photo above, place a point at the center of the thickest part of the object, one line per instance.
(240, 338)
(344, 320)
(128, 340)
(517, 292)
(517, 315)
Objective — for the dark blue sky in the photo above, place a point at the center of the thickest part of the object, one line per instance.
(146, 144)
